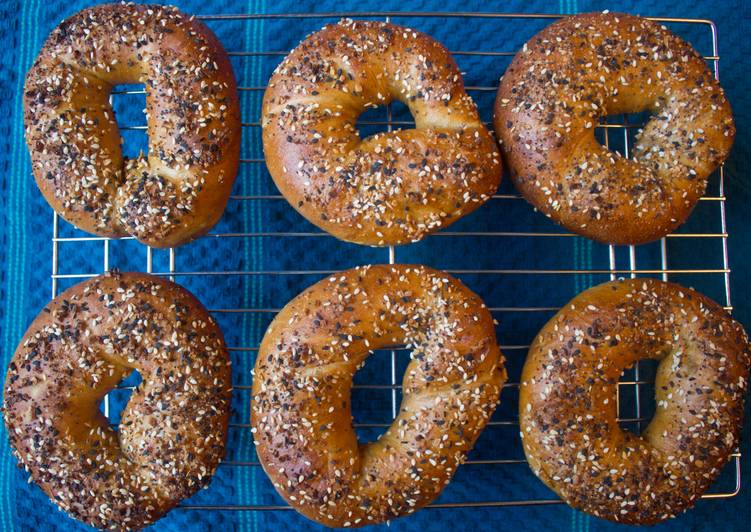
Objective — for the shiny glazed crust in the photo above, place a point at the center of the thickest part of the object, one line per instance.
(568, 405)
(582, 68)
(179, 191)
(389, 188)
(301, 415)
(172, 433)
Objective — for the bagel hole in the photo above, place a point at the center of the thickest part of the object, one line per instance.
(384, 118)
(618, 132)
(129, 107)
(636, 396)
(373, 393)
(115, 402)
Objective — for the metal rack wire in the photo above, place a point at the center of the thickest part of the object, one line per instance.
(609, 131)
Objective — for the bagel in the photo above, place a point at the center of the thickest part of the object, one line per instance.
(389, 188)
(300, 410)
(172, 433)
(585, 67)
(177, 192)
(568, 399)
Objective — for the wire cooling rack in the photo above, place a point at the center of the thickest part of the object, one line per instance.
(708, 270)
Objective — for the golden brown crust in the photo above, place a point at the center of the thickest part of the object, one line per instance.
(179, 191)
(390, 188)
(587, 66)
(172, 433)
(567, 401)
(301, 416)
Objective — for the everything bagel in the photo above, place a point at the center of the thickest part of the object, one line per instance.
(172, 433)
(301, 415)
(390, 188)
(585, 67)
(179, 191)
(568, 399)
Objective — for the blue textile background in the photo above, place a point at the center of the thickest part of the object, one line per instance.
(25, 256)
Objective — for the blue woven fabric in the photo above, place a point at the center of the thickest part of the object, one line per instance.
(25, 256)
